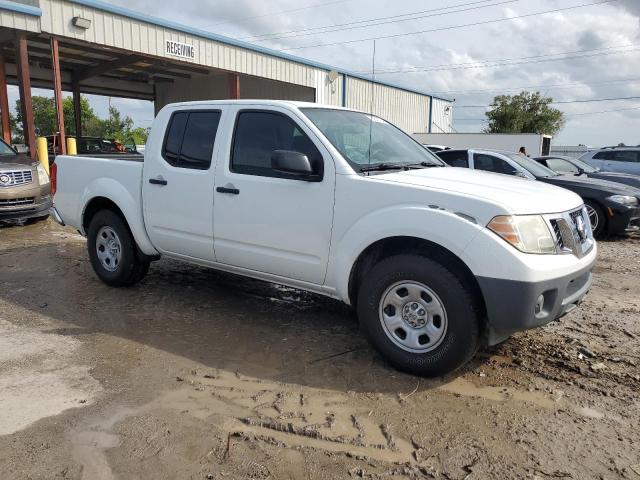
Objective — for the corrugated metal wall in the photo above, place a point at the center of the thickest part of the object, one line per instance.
(19, 21)
(215, 87)
(442, 119)
(407, 110)
(130, 34)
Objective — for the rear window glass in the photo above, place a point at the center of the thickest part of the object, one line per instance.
(190, 139)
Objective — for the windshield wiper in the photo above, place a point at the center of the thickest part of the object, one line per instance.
(381, 167)
(424, 164)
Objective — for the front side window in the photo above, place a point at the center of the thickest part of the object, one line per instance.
(604, 155)
(561, 166)
(365, 140)
(190, 139)
(259, 134)
(489, 163)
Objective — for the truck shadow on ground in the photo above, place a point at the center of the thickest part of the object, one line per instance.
(220, 320)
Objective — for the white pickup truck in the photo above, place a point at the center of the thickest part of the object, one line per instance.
(437, 260)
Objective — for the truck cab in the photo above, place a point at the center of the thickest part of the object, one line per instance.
(344, 204)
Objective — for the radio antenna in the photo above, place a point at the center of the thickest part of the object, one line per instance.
(373, 80)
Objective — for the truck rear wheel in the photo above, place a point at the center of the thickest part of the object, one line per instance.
(419, 315)
(112, 251)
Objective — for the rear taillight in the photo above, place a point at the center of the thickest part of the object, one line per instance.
(53, 178)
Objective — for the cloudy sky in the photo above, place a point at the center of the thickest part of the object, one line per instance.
(467, 50)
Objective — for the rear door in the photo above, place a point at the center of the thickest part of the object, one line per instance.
(264, 221)
(178, 184)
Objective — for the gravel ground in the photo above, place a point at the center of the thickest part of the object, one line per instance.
(195, 374)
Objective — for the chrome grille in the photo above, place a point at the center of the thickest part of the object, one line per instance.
(14, 178)
(17, 202)
(572, 232)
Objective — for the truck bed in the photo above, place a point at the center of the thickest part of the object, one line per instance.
(80, 178)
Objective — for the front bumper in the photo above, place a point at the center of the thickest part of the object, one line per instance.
(622, 219)
(511, 305)
(41, 209)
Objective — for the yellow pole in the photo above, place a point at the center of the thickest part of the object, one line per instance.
(72, 148)
(43, 153)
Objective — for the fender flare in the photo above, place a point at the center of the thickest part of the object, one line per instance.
(445, 229)
(130, 207)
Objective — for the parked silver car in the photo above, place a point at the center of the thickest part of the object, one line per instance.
(618, 159)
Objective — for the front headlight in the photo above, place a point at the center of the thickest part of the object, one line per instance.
(528, 233)
(624, 200)
(43, 178)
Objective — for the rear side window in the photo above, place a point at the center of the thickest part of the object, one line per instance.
(455, 159)
(259, 134)
(190, 139)
(626, 156)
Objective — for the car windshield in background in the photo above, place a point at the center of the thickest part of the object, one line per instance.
(532, 166)
(366, 140)
(6, 150)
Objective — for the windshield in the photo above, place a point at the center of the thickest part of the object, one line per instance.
(6, 149)
(584, 166)
(365, 140)
(532, 166)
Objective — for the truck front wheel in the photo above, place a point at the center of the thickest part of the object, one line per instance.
(112, 251)
(419, 315)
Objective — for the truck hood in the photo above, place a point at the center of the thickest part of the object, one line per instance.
(517, 195)
(15, 162)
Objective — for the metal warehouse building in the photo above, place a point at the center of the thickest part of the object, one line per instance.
(89, 46)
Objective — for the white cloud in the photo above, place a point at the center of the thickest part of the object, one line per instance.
(595, 27)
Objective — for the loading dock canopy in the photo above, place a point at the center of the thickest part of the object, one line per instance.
(98, 70)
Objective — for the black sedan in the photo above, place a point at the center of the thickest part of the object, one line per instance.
(613, 208)
(573, 166)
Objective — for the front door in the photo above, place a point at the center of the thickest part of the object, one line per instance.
(265, 220)
(178, 185)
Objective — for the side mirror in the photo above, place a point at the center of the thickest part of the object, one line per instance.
(294, 165)
(580, 172)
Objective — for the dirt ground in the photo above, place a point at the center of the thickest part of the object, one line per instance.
(194, 374)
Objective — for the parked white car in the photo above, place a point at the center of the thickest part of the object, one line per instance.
(614, 159)
(438, 261)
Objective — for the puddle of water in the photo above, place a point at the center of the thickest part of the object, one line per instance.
(466, 388)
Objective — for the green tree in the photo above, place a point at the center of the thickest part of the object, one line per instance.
(524, 113)
(44, 114)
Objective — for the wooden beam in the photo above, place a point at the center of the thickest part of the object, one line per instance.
(4, 102)
(234, 86)
(77, 108)
(104, 67)
(57, 94)
(24, 86)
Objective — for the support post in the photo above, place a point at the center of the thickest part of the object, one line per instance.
(234, 86)
(24, 86)
(4, 102)
(77, 109)
(57, 93)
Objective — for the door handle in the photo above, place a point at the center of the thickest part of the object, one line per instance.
(231, 190)
(157, 181)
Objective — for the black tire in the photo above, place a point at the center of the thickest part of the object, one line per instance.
(600, 230)
(464, 319)
(131, 268)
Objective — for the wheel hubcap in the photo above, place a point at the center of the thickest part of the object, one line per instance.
(108, 248)
(413, 317)
(593, 217)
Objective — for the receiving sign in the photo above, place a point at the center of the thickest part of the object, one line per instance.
(178, 49)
